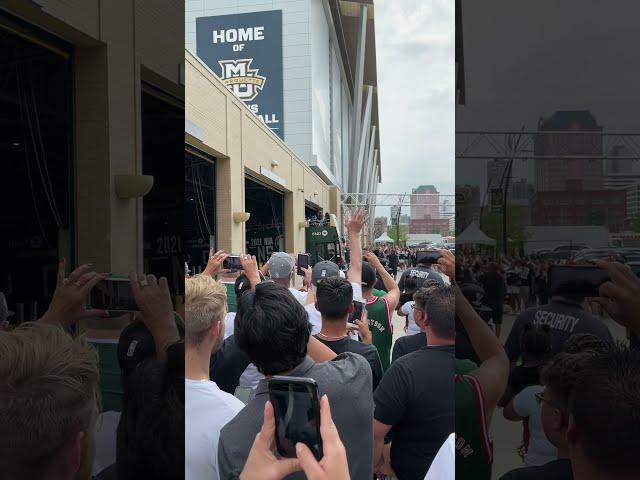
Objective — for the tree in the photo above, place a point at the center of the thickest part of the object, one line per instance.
(516, 232)
(399, 236)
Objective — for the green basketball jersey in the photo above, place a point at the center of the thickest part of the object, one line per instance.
(474, 451)
(381, 328)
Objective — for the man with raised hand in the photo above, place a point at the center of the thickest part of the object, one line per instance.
(380, 309)
(326, 269)
(482, 386)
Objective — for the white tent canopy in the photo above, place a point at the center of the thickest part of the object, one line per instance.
(472, 235)
(384, 238)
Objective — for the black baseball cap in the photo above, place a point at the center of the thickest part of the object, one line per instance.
(324, 269)
(242, 285)
(369, 278)
(136, 344)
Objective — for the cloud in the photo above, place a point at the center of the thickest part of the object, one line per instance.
(415, 57)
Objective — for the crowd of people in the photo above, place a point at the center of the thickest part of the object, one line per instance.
(385, 418)
(417, 408)
(562, 358)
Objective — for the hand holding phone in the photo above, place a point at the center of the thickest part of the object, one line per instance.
(297, 414)
(358, 309)
(428, 257)
(215, 262)
(68, 305)
(113, 295)
(232, 263)
(303, 263)
(579, 280)
(263, 464)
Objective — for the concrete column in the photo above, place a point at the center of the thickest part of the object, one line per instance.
(108, 138)
(93, 169)
(230, 235)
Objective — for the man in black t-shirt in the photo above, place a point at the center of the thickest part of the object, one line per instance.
(408, 344)
(565, 317)
(416, 395)
(393, 262)
(334, 301)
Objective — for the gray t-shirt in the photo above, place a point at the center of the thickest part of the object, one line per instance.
(343, 380)
(564, 319)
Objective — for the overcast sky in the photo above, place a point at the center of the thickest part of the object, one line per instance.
(415, 42)
(524, 60)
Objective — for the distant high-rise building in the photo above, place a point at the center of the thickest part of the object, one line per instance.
(568, 161)
(440, 226)
(422, 206)
(620, 173)
(447, 207)
(405, 219)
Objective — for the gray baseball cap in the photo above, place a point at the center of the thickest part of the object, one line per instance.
(280, 265)
(324, 269)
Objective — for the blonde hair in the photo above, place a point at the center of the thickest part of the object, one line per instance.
(205, 304)
(49, 390)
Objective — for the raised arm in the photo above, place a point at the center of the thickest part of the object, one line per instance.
(493, 372)
(354, 228)
(250, 267)
(393, 292)
(214, 264)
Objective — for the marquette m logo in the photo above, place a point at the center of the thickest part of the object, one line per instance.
(241, 79)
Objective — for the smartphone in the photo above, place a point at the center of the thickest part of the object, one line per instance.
(358, 311)
(582, 280)
(297, 412)
(232, 262)
(429, 257)
(303, 262)
(113, 294)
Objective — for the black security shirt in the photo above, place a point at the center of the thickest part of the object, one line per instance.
(563, 318)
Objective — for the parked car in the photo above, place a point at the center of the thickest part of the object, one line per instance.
(590, 255)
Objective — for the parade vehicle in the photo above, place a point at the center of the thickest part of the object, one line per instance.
(324, 242)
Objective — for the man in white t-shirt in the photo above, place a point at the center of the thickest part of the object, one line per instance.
(281, 269)
(207, 408)
(407, 311)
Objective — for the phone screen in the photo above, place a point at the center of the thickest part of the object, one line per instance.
(113, 294)
(303, 262)
(232, 263)
(576, 280)
(429, 257)
(297, 413)
(358, 310)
